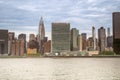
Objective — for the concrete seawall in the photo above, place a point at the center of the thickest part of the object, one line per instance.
(116, 56)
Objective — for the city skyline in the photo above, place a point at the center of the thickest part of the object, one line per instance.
(23, 16)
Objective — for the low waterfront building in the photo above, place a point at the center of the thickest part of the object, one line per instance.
(93, 53)
(31, 51)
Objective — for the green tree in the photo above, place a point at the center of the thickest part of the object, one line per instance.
(106, 53)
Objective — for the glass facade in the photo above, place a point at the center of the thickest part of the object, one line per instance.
(60, 37)
(74, 39)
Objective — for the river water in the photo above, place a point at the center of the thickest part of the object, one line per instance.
(60, 69)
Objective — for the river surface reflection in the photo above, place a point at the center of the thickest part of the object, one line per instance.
(60, 69)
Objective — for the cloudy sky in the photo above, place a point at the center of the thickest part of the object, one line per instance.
(23, 16)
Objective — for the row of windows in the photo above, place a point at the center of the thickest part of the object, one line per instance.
(61, 29)
(60, 38)
(61, 47)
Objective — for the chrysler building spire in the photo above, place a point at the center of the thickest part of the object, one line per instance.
(41, 29)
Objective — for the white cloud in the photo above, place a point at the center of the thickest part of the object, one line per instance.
(77, 20)
(91, 1)
(28, 7)
(81, 14)
(94, 15)
(97, 9)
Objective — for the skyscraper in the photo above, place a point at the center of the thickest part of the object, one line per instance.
(84, 42)
(19, 47)
(41, 34)
(3, 42)
(11, 37)
(102, 39)
(80, 43)
(74, 39)
(60, 37)
(116, 32)
(109, 39)
(94, 39)
(47, 47)
(23, 38)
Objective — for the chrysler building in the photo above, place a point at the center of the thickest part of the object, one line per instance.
(41, 34)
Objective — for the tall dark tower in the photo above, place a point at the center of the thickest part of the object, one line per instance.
(41, 34)
(116, 32)
(3, 42)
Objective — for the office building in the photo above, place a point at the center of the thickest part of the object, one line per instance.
(84, 42)
(90, 44)
(74, 39)
(102, 39)
(80, 43)
(23, 37)
(47, 47)
(45, 39)
(94, 38)
(11, 37)
(17, 47)
(116, 32)
(3, 42)
(109, 39)
(60, 37)
(13, 48)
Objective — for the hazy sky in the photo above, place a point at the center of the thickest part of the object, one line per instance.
(23, 16)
